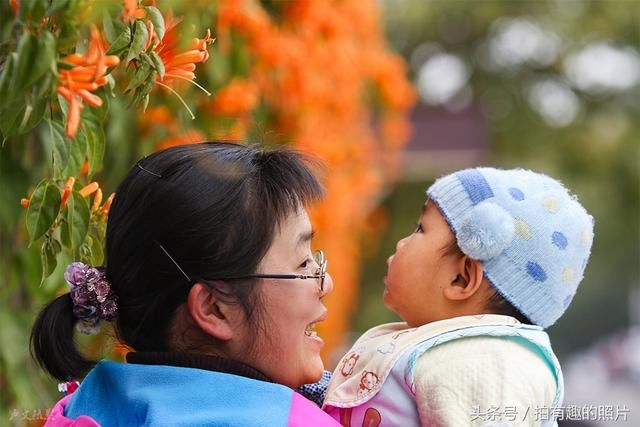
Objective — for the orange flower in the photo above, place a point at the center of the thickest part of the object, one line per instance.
(14, 6)
(189, 137)
(107, 205)
(97, 199)
(89, 189)
(157, 116)
(85, 168)
(66, 191)
(237, 98)
(180, 65)
(235, 132)
(131, 11)
(88, 75)
(395, 128)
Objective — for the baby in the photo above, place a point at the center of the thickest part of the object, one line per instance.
(495, 259)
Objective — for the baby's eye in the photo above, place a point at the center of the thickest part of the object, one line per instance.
(419, 228)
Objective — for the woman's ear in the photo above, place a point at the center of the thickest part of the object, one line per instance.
(212, 315)
(467, 281)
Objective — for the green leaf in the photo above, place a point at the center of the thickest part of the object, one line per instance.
(111, 84)
(140, 37)
(156, 19)
(85, 251)
(48, 259)
(45, 59)
(50, 45)
(64, 65)
(43, 210)
(27, 53)
(64, 105)
(77, 153)
(97, 253)
(6, 89)
(55, 244)
(109, 29)
(60, 147)
(145, 102)
(33, 113)
(9, 118)
(32, 10)
(143, 90)
(121, 42)
(140, 76)
(76, 225)
(113, 28)
(57, 6)
(95, 146)
(157, 63)
(44, 88)
(98, 114)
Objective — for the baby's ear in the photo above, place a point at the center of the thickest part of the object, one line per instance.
(467, 282)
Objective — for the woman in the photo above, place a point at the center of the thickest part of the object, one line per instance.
(211, 280)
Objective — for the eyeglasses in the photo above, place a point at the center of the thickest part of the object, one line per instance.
(318, 257)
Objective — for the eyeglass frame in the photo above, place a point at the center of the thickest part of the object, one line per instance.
(322, 264)
(322, 268)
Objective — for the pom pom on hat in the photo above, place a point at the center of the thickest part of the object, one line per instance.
(531, 234)
(485, 231)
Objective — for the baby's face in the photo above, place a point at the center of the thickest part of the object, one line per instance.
(419, 271)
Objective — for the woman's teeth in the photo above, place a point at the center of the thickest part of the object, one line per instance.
(311, 330)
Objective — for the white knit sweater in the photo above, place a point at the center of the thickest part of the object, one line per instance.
(482, 381)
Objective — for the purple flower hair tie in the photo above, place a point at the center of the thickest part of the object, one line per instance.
(92, 296)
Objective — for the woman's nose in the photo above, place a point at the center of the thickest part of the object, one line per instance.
(327, 286)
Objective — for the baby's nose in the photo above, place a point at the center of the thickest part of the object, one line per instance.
(401, 243)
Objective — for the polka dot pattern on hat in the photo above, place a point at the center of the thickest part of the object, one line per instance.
(523, 230)
(559, 240)
(536, 271)
(516, 193)
(539, 268)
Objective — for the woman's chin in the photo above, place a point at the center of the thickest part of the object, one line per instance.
(314, 375)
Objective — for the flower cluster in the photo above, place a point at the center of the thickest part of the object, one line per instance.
(93, 299)
(87, 75)
(180, 64)
(85, 191)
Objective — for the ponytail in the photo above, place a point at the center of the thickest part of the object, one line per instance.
(52, 344)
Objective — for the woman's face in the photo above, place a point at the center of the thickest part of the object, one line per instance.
(288, 350)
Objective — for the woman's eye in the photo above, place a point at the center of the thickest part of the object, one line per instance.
(306, 264)
(418, 228)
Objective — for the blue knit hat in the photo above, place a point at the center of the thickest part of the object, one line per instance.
(532, 236)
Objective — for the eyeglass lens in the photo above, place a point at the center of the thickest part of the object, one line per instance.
(318, 256)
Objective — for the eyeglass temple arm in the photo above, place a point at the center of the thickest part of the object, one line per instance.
(173, 260)
(277, 276)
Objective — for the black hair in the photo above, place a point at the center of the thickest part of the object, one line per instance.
(496, 303)
(214, 208)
